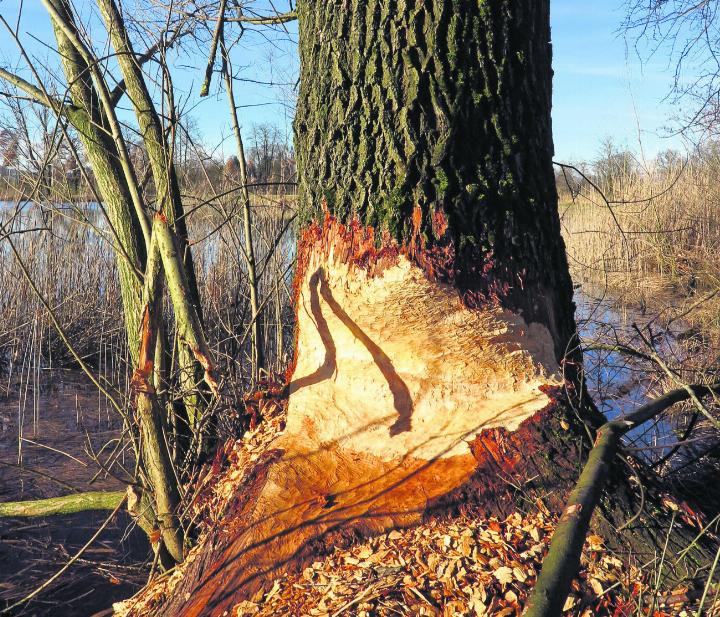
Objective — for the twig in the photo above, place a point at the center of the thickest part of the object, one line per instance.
(42, 445)
(213, 49)
(269, 20)
(679, 382)
(364, 595)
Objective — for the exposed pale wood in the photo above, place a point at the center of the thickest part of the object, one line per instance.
(394, 379)
(395, 364)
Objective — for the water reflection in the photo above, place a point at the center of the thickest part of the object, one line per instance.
(618, 383)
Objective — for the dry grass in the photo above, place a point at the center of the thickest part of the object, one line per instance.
(652, 250)
(656, 243)
(74, 267)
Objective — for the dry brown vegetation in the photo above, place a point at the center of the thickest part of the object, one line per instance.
(655, 240)
(643, 241)
(73, 266)
(68, 256)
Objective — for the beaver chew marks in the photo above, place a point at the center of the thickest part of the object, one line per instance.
(394, 365)
(394, 380)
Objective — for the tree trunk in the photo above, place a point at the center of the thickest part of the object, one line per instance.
(112, 183)
(156, 458)
(167, 189)
(436, 347)
(443, 106)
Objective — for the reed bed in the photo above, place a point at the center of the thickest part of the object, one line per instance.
(652, 237)
(642, 244)
(66, 252)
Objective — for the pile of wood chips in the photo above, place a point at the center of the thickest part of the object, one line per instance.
(456, 567)
(234, 463)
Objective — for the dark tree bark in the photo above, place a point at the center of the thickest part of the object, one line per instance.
(435, 367)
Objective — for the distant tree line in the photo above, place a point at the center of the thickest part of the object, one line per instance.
(29, 156)
(270, 160)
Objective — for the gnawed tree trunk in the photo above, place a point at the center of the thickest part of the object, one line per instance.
(446, 106)
(435, 354)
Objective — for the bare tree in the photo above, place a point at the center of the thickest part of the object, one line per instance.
(687, 32)
(150, 235)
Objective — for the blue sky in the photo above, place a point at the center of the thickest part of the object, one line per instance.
(602, 89)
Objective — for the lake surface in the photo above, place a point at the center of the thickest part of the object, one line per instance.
(24, 205)
(617, 383)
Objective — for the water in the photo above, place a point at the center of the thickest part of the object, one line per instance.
(6, 206)
(620, 384)
(71, 424)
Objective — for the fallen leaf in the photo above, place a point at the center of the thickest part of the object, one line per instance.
(596, 586)
(519, 574)
(596, 543)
